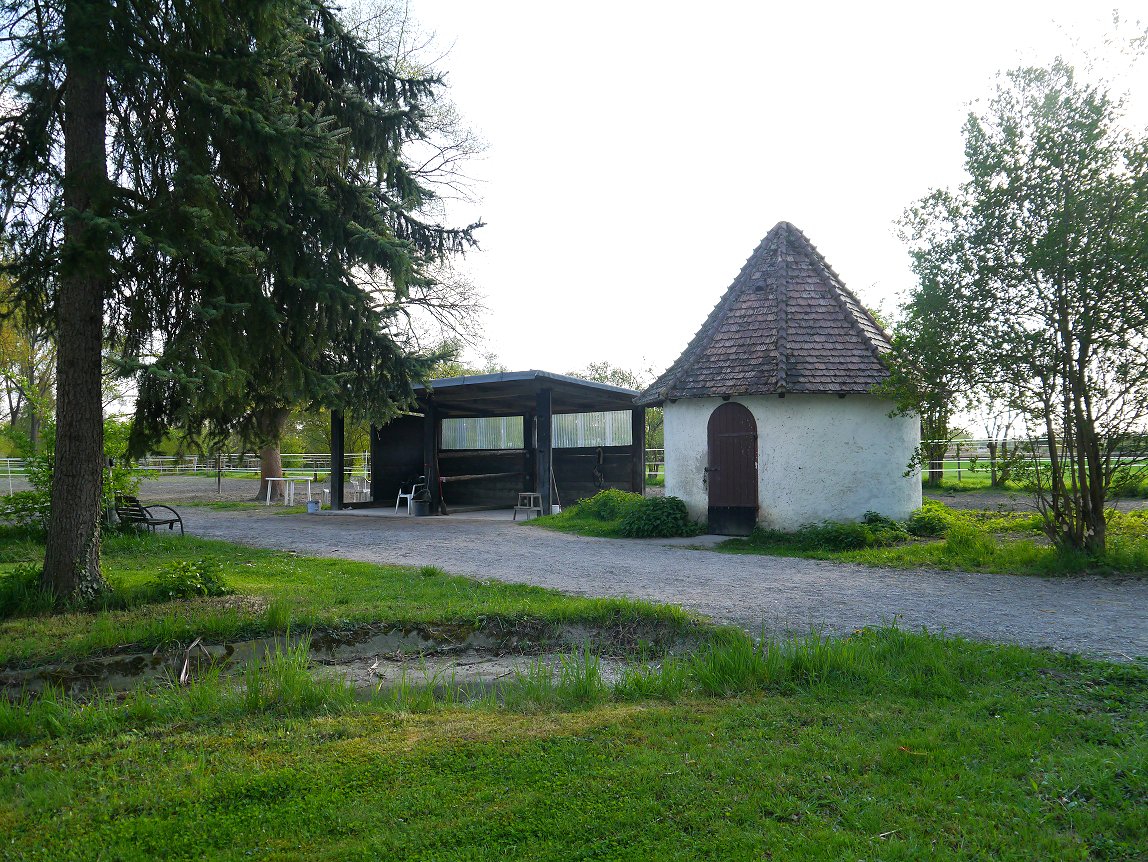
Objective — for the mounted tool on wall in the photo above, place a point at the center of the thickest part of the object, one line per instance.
(599, 476)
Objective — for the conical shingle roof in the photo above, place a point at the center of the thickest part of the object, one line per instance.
(786, 324)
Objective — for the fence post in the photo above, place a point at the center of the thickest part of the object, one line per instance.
(958, 462)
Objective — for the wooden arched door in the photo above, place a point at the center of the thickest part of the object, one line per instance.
(731, 471)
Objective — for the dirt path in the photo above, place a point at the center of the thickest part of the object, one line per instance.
(1103, 617)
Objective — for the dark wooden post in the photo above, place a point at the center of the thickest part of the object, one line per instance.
(530, 479)
(638, 451)
(376, 475)
(545, 442)
(338, 461)
(430, 453)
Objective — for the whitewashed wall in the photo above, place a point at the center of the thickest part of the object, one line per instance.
(820, 457)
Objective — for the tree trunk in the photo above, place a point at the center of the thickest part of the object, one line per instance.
(72, 557)
(270, 467)
(936, 457)
(34, 429)
(271, 424)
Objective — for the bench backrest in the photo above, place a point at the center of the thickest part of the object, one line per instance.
(130, 509)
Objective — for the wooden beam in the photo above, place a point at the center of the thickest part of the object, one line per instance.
(430, 453)
(376, 475)
(338, 460)
(544, 443)
(638, 455)
(530, 481)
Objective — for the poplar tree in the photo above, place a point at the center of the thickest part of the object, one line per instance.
(230, 208)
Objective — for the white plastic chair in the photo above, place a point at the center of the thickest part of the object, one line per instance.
(409, 495)
(361, 488)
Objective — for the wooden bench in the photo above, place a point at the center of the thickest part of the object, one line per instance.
(134, 513)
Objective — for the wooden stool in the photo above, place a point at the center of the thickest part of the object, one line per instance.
(528, 502)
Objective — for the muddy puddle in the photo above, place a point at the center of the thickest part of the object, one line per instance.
(475, 672)
(368, 656)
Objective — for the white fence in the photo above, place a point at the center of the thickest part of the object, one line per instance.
(13, 472)
(232, 466)
(656, 464)
(294, 463)
(962, 457)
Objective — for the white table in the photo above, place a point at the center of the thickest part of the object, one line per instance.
(288, 488)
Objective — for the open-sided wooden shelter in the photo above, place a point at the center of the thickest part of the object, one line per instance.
(499, 440)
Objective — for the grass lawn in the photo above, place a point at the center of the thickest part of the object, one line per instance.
(1004, 543)
(276, 507)
(580, 522)
(285, 589)
(907, 747)
(883, 745)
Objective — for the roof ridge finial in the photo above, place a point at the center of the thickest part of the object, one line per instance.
(782, 302)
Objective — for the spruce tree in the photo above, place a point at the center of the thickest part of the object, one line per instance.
(251, 239)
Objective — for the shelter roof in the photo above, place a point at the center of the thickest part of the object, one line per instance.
(513, 393)
(786, 324)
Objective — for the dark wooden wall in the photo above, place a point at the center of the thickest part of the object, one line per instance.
(574, 471)
(494, 488)
(396, 457)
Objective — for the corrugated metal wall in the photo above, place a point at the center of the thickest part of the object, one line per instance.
(571, 430)
(592, 429)
(488, 432)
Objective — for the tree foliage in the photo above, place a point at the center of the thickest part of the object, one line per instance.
(265, 223)
(27, 375)
(925, 374)
(255, 234)
(615, 375)
(1038, 265)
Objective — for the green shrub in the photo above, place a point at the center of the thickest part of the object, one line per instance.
(31, 509)
(609, 505)
(21, 593)
(1129, 524)
(26, 509)
(967, 544)
(660, 517)
(190, 579)
(875, 531)
(932, 519)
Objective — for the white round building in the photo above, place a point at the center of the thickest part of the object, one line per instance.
(770, 416)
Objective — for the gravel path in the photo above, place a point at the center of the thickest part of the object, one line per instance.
(1097, 616)
(202, 488)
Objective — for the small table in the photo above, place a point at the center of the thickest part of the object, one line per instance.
(528, 503)
(288, 488)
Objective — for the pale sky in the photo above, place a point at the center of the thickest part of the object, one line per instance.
(639, 151)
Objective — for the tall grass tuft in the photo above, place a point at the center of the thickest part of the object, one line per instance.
(21, 594)
(919, 665)
(668, 680)
(573, 680)
(279, 684)
(277, 616)
(282, 683)
(580, 677)
(422, 693)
